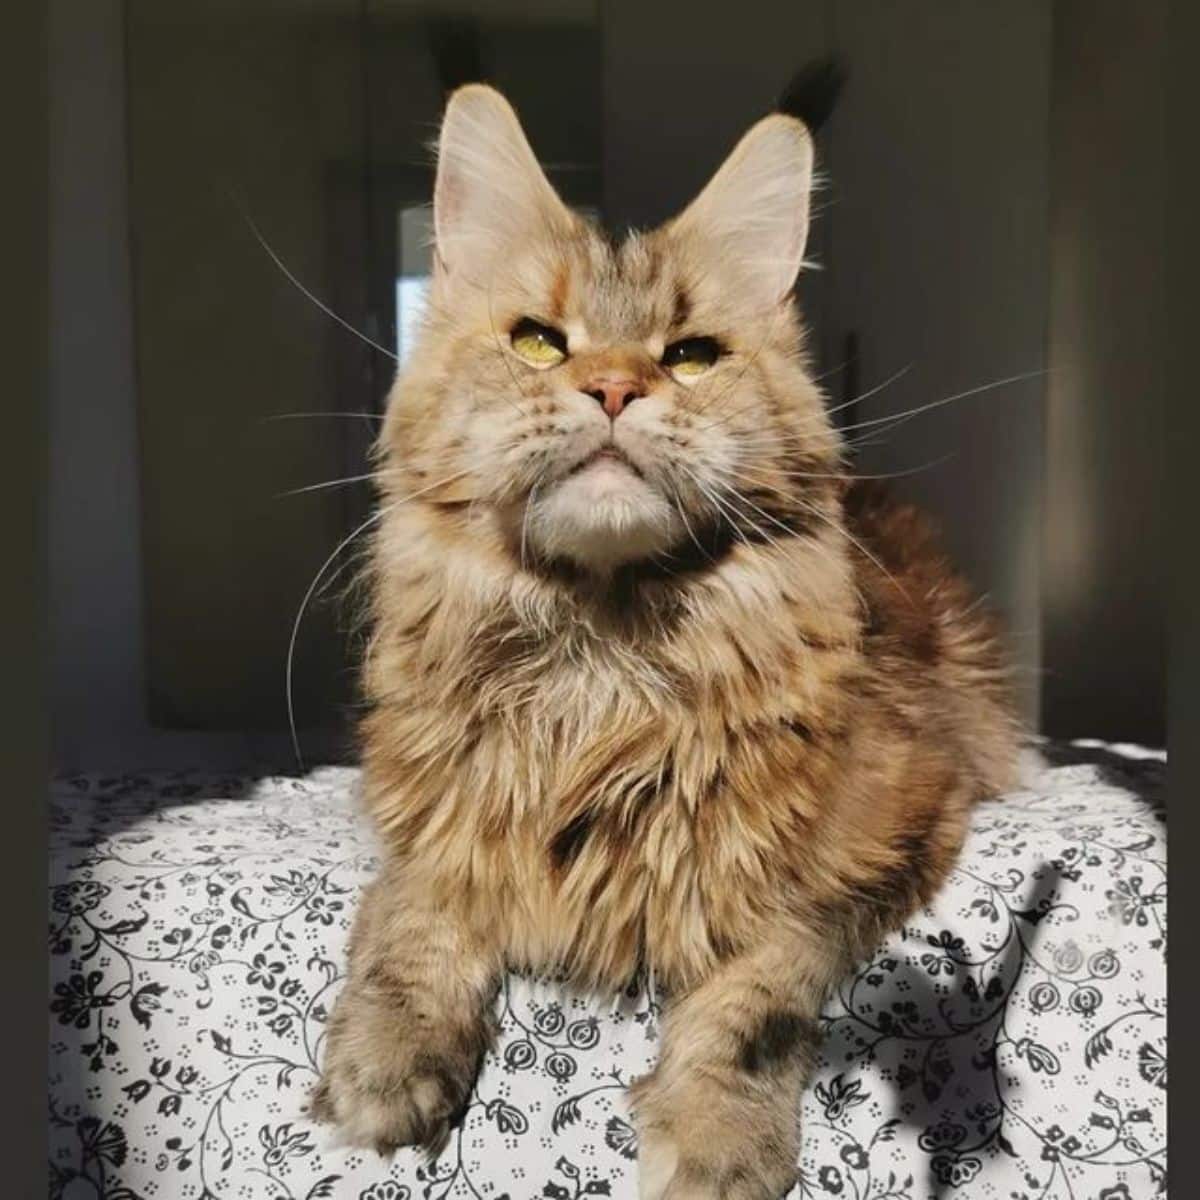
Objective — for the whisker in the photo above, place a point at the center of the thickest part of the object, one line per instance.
(873, 391)
(500, 350)
(678, 502)
(740, 497)
(891, 421)
(333, 577)
(316, 580)
(851, 476)
(312, 587)
(881, 426)
(823, 550)
(832, 371)
(746, 366)
(299, 416)
(262, 241)
(712, 496)
(709, 496)
(853, 445)
(328, 483)
(812, 508)
(810, 432)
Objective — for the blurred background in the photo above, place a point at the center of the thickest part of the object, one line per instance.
(993, 211)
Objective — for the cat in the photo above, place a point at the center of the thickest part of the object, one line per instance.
(654, 684)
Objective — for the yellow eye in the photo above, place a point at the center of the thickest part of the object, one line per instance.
(539, 345)
(691, 358)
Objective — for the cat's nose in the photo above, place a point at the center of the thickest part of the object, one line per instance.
(613, 394)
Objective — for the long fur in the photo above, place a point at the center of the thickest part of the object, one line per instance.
(721, 717)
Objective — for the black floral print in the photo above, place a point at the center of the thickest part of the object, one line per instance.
(1009, 1045)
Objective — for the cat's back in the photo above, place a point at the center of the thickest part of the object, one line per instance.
(930, 639)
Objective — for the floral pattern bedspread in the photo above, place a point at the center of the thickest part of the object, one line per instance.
(1010, 1043)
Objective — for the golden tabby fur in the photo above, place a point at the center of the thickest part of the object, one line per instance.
(653, 684)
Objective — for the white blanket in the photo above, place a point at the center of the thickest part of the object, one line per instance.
(1011, 1043)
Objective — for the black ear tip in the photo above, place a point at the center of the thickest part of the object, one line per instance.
(812, 93)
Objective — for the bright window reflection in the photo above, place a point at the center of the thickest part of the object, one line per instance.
(414, 242)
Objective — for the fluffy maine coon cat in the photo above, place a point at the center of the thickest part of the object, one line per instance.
(654, 685)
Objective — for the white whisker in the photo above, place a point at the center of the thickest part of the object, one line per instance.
(880, 426)
(500, 350)
(262, 241)
(725, 510)
(312, 588)
(328, 483)
(890, 422)
(678, 502)
(812, 508)
(710, 497)
(872, 391)
(832, 371)
(741, 374)
(350, 416)
(851, 476)
(826, 412)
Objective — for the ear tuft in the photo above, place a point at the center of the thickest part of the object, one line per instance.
(813, 92)
(490, 190)
(754, 210)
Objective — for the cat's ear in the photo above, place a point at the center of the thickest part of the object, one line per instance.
(753, 213)
(490, 191)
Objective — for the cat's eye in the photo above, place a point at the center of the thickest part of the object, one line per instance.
(539, 345)
(690, 358)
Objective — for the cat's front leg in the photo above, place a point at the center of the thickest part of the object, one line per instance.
(411, 1025)
(719, 1116)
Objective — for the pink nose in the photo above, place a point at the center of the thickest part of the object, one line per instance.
(613, 394)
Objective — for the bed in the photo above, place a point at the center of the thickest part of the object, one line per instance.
(1009, 1043)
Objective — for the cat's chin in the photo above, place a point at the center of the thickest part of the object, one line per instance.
(602, 516)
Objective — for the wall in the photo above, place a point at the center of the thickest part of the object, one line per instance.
(96, 619)
(940, 166)
(1104, 566)
(254, 107)
(95, 602)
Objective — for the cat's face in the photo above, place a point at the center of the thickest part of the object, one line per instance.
(610, 402)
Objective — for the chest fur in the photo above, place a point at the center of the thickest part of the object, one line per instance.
(605, 845)
(605, 803)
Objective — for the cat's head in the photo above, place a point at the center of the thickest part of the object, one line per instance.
(610, 402)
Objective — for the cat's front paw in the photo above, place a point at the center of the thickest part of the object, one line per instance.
(389, 1082)
(668, 1170)
(385, 1113)
(721, 1150)
(658, 1156)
